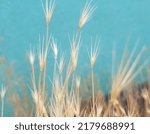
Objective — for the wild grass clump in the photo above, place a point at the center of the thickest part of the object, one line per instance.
(66, 84)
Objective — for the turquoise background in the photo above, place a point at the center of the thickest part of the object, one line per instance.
(115, 21)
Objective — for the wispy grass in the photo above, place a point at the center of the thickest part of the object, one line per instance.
(94, 52)
(66, 84)
(86, 14)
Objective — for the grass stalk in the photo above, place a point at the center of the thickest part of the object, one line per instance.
(2, 107)
(45, 60)
(34, 80)
(3, 92)
(93, 90)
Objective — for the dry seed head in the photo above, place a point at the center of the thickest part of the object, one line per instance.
(42, 54)
(3, 91)
(31, 57)
(86, 13)
(61, 64)
(75, 44)
(78, 82)
(35, 96)
(94, 52)
(48, 9)
(54, 48)
(41, 57)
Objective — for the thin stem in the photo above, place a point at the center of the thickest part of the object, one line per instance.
(33, 76)
(40, 78)
(44, 77)
(92, 73)
(73, 80)
(47, 33)
(54, 74)
(68, 73)
(61, 80)
(2, 110)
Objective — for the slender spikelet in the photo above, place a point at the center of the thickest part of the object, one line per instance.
(61, 64)
(41, 57)
(3, 93)
(78, 80)
(94, 52)
(35, 96)
(48, 9)
(54, 48)
(75, 44)
(31, 56)
(68, 74)
(77, 95)
(86, 14)
(93, 56)
(60, 68)
(55, 52)
(42, 54)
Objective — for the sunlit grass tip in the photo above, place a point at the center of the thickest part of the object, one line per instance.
(48, 9)
(86, 13)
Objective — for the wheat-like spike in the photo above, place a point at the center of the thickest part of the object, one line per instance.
(61, 64)
(75, 44)
(94, 52)
(78, 82)
(54, 47)
(3, 91)
(86, 14)
(48, 9)
(42, 54)
(31, 56)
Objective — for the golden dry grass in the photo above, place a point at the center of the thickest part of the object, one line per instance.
(67, 87)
